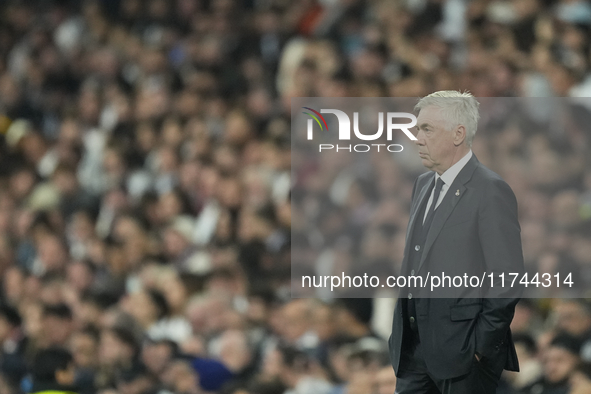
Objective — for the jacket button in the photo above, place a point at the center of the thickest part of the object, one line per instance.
(412, 272)
(412, 319)
(409, 296)
(417, 247)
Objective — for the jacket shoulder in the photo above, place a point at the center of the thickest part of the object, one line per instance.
(486, 175)
(490, 182)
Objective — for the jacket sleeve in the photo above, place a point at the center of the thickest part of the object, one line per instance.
(500, 238)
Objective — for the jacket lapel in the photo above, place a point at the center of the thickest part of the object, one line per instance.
(449, 202)
(413, 218)
(415, 210)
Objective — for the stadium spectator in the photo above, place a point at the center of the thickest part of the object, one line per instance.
(13, 358)
(53, 372)
(560, 360)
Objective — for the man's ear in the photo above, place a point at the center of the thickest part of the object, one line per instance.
(459, 135)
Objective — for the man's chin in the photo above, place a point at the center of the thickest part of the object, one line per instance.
(427, 163)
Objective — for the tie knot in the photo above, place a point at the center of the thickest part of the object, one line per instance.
(438, 186)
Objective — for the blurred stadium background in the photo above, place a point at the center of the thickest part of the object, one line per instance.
(145, 208)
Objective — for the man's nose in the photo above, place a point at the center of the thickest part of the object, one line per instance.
(420, 140)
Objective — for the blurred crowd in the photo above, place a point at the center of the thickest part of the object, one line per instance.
(145, 178)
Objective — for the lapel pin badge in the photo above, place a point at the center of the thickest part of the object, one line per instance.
(458, 192)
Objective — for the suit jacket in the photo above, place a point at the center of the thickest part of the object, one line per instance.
(474, 230)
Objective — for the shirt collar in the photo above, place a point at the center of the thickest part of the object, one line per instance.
(452, 172)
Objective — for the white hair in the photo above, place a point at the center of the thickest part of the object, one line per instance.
(458, 108)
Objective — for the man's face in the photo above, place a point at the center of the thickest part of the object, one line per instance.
(181, 377)
(434, 140)
(572, 318)
(84, 350)
(558, 364)
(57, 330)
(112, 350)
(156, 356)
(4, 329)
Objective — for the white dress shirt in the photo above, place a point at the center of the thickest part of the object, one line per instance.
(447, 177)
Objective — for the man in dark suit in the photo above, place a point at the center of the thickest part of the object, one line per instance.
(463, 221)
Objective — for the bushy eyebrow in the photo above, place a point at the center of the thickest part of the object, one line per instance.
(424, 125)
